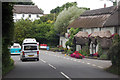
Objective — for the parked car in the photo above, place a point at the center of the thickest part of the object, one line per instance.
(15, 49)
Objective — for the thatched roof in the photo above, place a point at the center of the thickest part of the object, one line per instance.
(93, 18)
(27, 9)
(114, 19)
(81, 34)
(101, 34)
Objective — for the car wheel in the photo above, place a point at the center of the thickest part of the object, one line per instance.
(38, 59)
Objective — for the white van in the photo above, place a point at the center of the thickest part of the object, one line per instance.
(30, 49)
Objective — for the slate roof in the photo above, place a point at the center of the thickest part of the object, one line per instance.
(27, 9)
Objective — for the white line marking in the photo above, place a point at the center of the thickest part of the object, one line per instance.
(65, 76)
(52, 66)
(99, 66)
(43, 61)
(83, 62)
(93, 65)
(88, 63)
(74, 60)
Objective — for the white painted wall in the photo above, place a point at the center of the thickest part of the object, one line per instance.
(64, 40)
(33, 17)
(78, 47)
(111, 29)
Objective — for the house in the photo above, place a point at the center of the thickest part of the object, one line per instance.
(31, 12)
(104, 19)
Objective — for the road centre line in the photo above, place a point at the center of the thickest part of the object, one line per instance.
(52, 66)
(65, 76)
(43, 61)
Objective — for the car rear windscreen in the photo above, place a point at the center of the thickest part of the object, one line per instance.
(30, 47)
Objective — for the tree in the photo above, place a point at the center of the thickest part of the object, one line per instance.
(7, 36)
(47, 17)
(23, 29)
(71, 38)
(59, 9)
(66, 17)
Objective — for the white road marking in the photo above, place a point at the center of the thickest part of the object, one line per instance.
(52, 66)
(43, 61)
(83, 62)
(65, 76)
(88, 63)
(74, 60)
(93, 65)
(79, 61)
(99, 66)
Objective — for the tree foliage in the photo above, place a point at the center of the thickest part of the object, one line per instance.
(72, 32)
(7, 34)
(59, 9)
(51, 17)
(43, 31)
(66, 17)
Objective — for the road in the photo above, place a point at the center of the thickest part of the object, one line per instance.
(58, 66)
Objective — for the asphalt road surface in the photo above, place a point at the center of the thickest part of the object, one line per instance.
(59, 66)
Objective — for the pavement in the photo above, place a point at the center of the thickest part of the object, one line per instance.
(54, 65)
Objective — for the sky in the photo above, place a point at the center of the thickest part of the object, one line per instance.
(47, 5)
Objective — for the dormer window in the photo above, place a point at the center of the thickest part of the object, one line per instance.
(29, 15)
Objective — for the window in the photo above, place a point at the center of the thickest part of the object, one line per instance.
(14, 14)
(30, 47)
(37, 16)
(116, 29)
(29, 15)
(23, 15)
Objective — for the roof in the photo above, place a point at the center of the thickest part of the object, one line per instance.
(114, 19)
(93, 18)
(81, 34)
(101, 34)
(27, 9)
(100, 11)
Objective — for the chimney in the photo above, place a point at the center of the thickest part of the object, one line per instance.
(104, 5)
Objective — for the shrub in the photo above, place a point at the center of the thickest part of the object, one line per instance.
(104, 56)
(69, 51)
(100, 51)
(114, 54)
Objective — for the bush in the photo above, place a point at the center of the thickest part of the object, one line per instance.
(9, 67)
(69, 51)
(104, 56)
(114, 54)
(100, 51)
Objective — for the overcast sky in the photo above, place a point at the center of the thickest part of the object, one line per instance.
(47, 5)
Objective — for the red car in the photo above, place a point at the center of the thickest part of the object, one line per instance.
(76, 54)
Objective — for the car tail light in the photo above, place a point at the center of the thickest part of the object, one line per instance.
(23, 53)
(38, 52)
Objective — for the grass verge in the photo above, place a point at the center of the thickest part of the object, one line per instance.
(7, 69)
(114, 70)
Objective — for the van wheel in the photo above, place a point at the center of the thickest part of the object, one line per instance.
(22, 60)
(38, 59)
